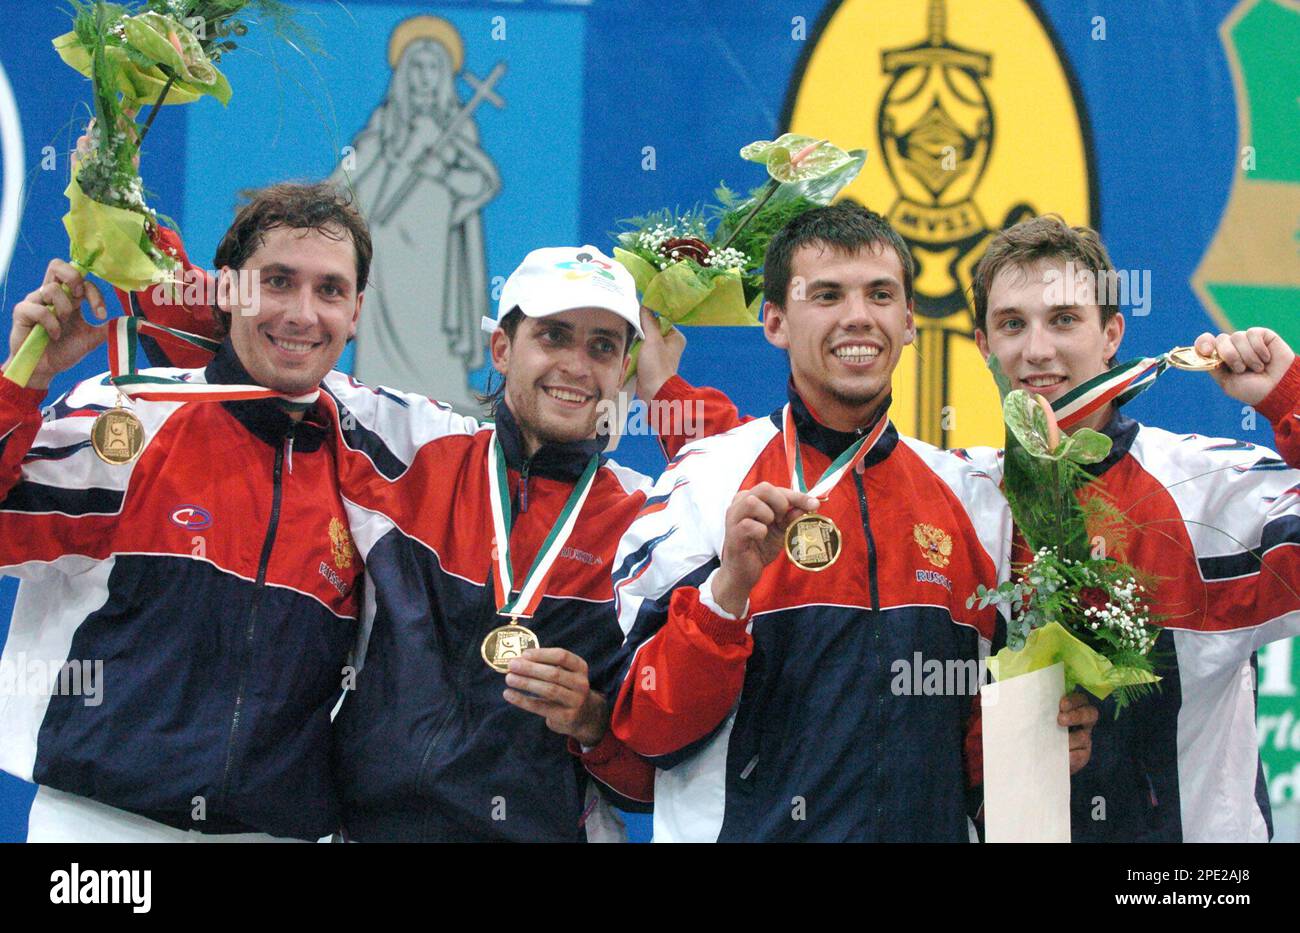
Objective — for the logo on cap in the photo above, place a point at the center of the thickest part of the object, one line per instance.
(584, 267)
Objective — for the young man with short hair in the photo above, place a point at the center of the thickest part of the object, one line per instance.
(194, 551)
(1215, 521)
(488, 549)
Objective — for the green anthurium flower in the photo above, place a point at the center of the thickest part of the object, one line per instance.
(796, 158)
(169, 43)
(1027, 420)
(141, 84)
(822, 189)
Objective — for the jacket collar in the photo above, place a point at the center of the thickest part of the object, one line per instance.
(264, 417)
(829, 441)
(1121, 430)
(564, 461)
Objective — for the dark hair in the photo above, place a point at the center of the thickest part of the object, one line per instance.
(1026, 244)
(494, 395)
(319, 206)
(510, 324)
(845, 226)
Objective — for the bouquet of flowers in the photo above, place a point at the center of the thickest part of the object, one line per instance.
(1071, 602)
(705, 266)
(159, 52)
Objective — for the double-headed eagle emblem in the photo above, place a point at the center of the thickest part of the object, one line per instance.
(935, 543)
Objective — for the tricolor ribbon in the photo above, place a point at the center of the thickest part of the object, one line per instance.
(123, 351)
(523, 605)
(839, 466)
(1118, 385)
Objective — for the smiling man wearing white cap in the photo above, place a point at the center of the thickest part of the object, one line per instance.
(489, 611)
(563, 298)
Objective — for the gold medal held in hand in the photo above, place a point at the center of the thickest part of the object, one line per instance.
(812, 542)
(505, 643)
(1188, 359)
(117, 436)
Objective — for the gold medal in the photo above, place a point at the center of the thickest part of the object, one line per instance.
(812, 542)
(506, 642)
(117, 436)
(1187, 358)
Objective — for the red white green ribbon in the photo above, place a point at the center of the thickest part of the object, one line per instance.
(1118, 385)
(123, 351)
(839, 466)
(523, 605)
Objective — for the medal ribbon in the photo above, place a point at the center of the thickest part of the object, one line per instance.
(1119, 385)
(531, 589)
(123, 351)
(841, 465)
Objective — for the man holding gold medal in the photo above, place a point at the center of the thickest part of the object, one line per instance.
(488, 552)
(191, 546)
(800, 568)
(1215, 522)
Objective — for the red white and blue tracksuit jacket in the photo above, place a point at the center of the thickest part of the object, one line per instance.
(214, 579)
(1217, 522)
(426, 748)
(803, 721)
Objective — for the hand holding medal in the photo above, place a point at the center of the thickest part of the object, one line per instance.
(553, 683)
(758, 523)
(1249, 363)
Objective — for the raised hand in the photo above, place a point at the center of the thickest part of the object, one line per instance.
(56, 306)
(755, 534)
(1254, 362)
(1079, 716)
(659, 358)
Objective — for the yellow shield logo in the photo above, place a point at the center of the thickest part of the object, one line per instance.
(973, 123)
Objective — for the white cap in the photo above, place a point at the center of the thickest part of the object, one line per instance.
(562, 278)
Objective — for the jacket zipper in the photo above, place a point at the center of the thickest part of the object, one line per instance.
(267, 543)
(871, 541)
(523, 485)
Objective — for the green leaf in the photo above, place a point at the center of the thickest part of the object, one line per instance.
(1086, 446)
(999, 377)
(725, 196)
